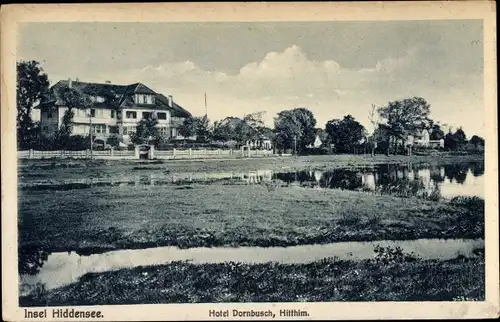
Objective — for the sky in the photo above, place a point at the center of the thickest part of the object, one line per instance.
(332, 68)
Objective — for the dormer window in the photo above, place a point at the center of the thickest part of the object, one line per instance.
(97, 99)
(144, 99)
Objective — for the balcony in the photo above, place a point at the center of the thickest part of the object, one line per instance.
(177, 121)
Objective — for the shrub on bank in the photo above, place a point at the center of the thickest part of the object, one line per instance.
(472, 203)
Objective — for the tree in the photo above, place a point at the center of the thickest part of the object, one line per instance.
(255, 125)
(63, 134)
(72, 99)
(450, 142)
(345, 134)
(374, 120)
(460, 138)
(476, 140)
(295, 128)
(202, 129)
(380, 138)
(146, 131)
(32, 85)
(229, 129)
(188, 127)
(403, 118)
(436, 132)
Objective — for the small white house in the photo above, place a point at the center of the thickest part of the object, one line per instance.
(317, 143)
(422, 138)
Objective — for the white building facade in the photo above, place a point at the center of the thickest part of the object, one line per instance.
(114, 110)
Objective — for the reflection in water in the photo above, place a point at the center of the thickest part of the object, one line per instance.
(64, 268)
(404, 180)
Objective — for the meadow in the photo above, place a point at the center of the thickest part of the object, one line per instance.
(91, 219)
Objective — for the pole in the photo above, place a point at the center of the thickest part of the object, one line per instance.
(90, 135)
(295, 145)
(206, 111)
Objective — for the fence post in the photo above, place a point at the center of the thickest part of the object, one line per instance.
(190, 153)
(111, 151)
(152, 152)
(62, 153)
(173, 153)
(218, 151)
(87, 153)
(31, 154)
(206, 152)
(137, 152)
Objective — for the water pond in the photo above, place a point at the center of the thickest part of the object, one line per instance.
(59, 269)
(447, 181)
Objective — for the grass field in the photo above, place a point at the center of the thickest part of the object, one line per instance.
(99, 219)
(327, 280)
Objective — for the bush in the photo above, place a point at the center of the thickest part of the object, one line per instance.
(317, 151)
(389, 255)
(471, 203)
(113, 140)
(76, 143)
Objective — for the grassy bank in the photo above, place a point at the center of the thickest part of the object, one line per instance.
(100, 219)
(76, 169)
(327, 280)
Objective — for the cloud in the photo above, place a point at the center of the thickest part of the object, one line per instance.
(289, 79)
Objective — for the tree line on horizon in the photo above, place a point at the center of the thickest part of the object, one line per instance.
(295, 129)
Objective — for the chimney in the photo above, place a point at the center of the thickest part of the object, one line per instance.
(170, 101)
(70, 83)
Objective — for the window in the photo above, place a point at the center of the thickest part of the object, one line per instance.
(99, 128)
(146, 115)
(119, 115)
(127, 130)
(92, 112)
(49, 114)
(162, 116)
(131, 114)
(143, 99)
(112, 114)
(97, 99)
(113, 129)
(164, 131)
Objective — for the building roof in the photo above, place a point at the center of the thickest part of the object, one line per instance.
(178, 111)
(116, 96)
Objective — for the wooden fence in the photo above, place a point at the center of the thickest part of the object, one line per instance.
(85, 154)
(152, 154)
